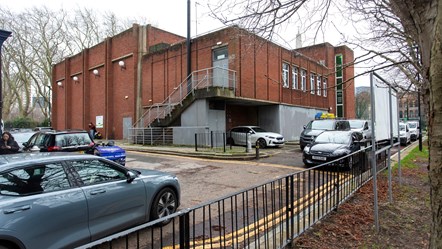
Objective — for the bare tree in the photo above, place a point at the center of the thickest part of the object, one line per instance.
(403, 37)
(41, 38)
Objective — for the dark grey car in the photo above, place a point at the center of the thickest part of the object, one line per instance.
(64, 200)
(317, 126)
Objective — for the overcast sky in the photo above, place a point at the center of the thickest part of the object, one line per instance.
(170, 15)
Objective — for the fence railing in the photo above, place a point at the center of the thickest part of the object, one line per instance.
(205, 78)
(151, 136)
(269, 215)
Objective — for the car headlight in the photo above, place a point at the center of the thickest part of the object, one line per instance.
(306, 149)
(339, 152)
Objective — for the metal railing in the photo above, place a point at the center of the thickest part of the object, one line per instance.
(205, 78)
(151, 136)
(211, 141)
(270, 215)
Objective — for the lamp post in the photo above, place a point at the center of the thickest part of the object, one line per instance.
(3, 36)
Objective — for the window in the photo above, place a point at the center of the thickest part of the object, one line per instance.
(96, 171)
(303, 80)
(295, 77)
(285, 75)
(312, 83)
(324, 87)
(318, 86)
(34, 180)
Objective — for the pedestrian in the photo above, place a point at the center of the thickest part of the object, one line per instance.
(8, 145)
(92, 130)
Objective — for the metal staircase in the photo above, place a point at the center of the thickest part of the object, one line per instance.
(201, 79)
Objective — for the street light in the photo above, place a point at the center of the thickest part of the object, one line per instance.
(3, 36)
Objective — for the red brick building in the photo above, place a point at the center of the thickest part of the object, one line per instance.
(238, 78)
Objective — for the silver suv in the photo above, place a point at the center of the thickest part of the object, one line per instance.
(71, 199)
(317, 126)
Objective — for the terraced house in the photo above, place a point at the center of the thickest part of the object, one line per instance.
(140, 78)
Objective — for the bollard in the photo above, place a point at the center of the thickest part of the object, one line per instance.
(257, 149)
(249, 143)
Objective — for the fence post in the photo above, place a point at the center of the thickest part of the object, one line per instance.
(257, 149)
(211, 139)
(224, 141)
(196, 143)
(337, 189)
(248, 143)
(184, 231)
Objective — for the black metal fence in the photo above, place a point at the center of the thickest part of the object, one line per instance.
(211, 141)
(270, 215)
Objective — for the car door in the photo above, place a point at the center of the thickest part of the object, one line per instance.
(113, 203)
(41, 208)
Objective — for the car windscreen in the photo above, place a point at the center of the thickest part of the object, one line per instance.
(412, 125)
(321, 125)
(402, 127)
(332, 137)
(356, 124)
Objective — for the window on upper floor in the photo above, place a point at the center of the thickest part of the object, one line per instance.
(303, 80)
(312, 83)
(318, 85)
(285, 75)
(324, 87)
(295, 77)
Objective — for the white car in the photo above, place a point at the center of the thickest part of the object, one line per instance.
(361, 125)
(404, 133)
(239, 134)
(414, 130)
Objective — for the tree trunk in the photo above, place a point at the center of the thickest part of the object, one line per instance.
(435, 132)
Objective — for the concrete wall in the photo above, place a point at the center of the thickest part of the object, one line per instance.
(286, 120)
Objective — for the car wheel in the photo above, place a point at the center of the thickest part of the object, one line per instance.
(165, 203)
(262, 143)
(230, 141)
(7, 245)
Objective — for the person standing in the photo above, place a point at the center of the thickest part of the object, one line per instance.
(8, 145)
(92, 130)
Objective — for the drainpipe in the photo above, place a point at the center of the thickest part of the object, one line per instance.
(189, 50)
(3, 36)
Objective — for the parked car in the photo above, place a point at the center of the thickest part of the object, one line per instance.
(238, 136)
(22, 137)
(361, 125)
(414, 130)
(404, 133)
(331, 145)
(73, 141)
(317, 126)
(64, 200)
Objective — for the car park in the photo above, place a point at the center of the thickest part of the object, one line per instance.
(361, 125)
(332, 145)
(73, 141)
(317, 126)
(238, 136)
(414, 130)
(64, 200)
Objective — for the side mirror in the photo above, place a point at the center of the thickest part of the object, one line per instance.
(25, 144)
(130, 176)
(304, 126)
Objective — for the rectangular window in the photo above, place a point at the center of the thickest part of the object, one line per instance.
(318, 86)
(303, 80)
(285, 75)
(312, 83)
(295, 77)
(324, 87)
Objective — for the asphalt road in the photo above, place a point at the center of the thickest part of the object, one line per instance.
(204, 180)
